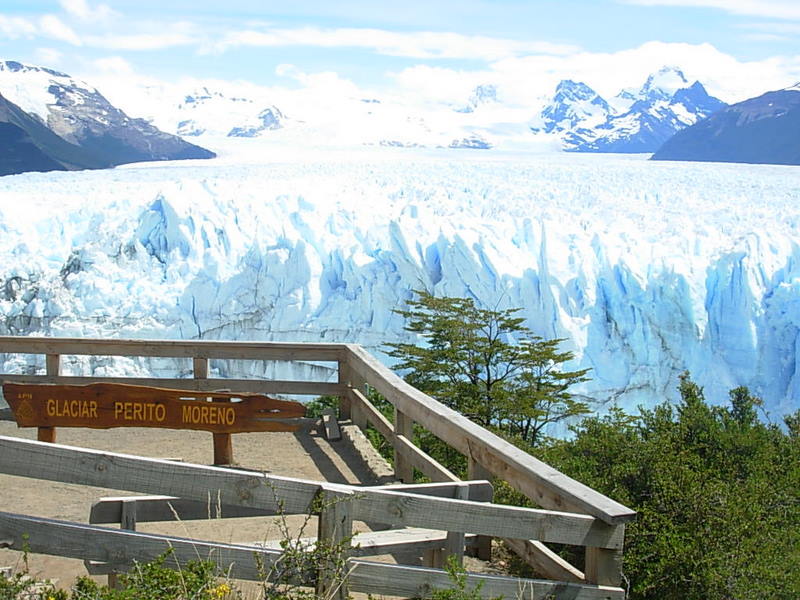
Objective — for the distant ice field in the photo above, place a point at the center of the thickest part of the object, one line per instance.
(646, 268)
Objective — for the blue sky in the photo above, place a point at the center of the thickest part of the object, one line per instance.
(737, 46)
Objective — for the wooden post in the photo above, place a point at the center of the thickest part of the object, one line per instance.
(604, 566)
(476, 470)
(344, 399)
(223, 445)
(454, 546)
(53, 369)
(403, 470)
(127, 520)
(333, 534)
(357, 415)
(482, 493)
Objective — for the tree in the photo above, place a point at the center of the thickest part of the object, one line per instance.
(715, 489)
(488, 366)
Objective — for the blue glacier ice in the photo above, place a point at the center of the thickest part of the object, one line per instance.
(646, 269)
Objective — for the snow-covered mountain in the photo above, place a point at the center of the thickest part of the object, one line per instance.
(574, 106)
(633, 121)
(98, 133)
(216, 113)
(646, 268)
(482, 95)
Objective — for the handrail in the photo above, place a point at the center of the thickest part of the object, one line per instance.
(546, 486)
(488, 454)
(284, 351)
(540, 482)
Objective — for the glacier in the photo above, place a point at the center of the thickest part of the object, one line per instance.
(646, 269)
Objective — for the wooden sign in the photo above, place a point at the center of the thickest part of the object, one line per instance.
(106, 405)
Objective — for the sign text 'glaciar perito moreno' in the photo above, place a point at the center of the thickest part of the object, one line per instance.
(106, 405)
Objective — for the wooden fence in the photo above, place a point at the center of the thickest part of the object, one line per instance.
(570, 512)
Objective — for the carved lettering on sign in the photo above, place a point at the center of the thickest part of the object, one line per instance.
(105, 405)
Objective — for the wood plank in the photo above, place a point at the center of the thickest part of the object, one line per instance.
(390, 541)
(404, 433)
(53, 462)
(421, 461)
(540, 482)
(150, 509)
(153, 509)
(331, 425)
(480, 491)
(257, 386)
(394, 508)
(546, 562)
(411, 454)
(107, 405)
(372, 415)
(418, 582)
(244, 350)
(121, 548)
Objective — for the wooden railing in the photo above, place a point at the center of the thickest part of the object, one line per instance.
(488, 455)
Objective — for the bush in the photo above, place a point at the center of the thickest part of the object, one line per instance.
(716, 491)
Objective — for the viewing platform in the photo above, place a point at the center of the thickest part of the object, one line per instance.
(401, 532)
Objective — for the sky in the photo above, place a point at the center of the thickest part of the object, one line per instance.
(423, 50)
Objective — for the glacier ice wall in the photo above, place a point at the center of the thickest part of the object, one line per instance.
(647, 269)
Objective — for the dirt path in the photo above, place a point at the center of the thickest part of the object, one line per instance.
(302, 455)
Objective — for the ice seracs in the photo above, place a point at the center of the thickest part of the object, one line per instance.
(646, 268)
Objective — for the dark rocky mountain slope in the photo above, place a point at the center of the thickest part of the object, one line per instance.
(765, 129)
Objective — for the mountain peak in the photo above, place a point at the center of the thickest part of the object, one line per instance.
(484, 93)
(12, 66)
(664, 83)
(574, 90)
(633, 121)
(573, 103)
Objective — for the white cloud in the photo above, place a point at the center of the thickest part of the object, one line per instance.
(168, 35)
(141, 41)
(774, 28)
(438, 84)
(420, 44)
(113, 64)
(526, 81)
(48, 57)
(767, 37)
(325, 84)
(53, 27)
(82, 10)
(772, 9)
(16, 27)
